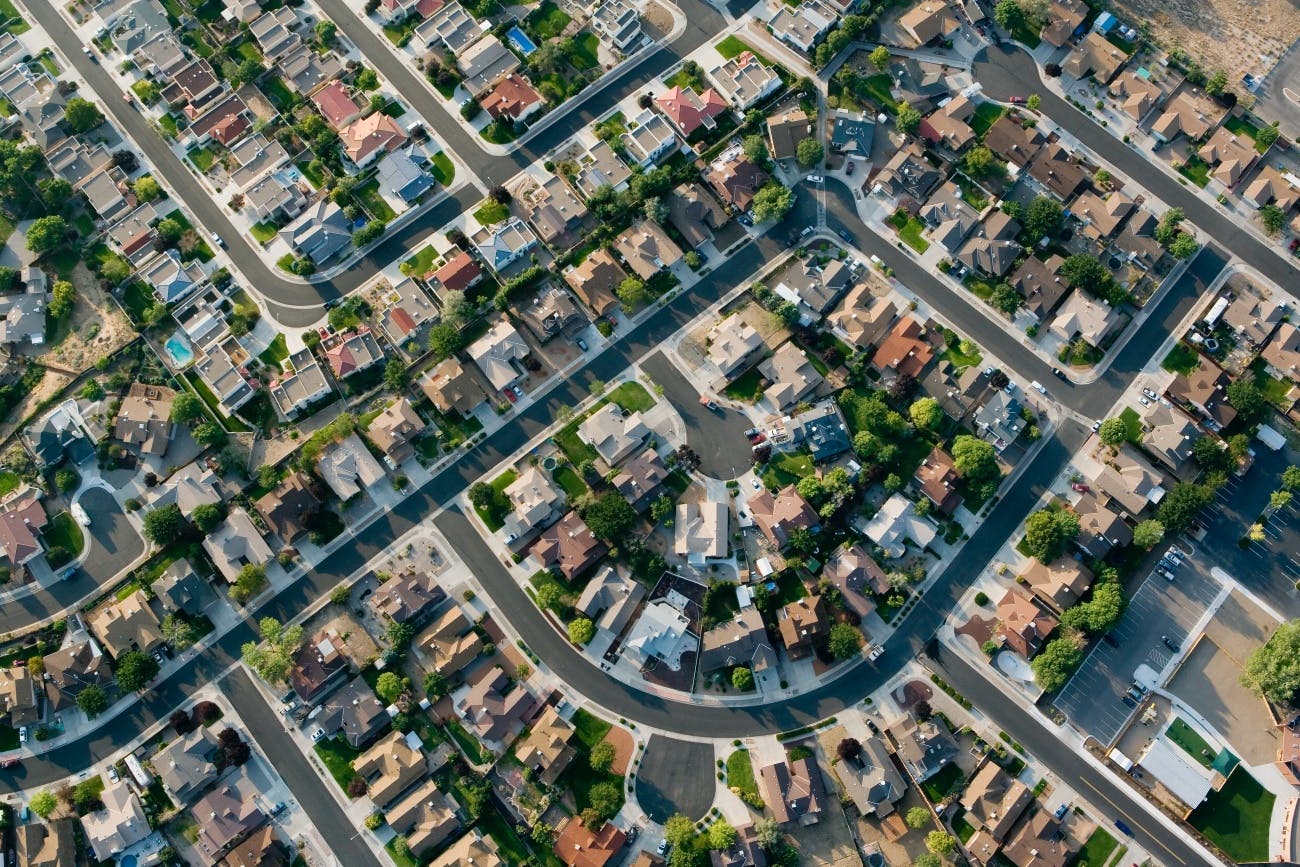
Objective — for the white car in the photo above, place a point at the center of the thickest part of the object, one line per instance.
(22, 735)
(815, 179)
(113, 775)
(1038, 387)
(758, 486)
(318, 734)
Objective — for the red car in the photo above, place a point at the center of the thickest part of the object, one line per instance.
(1083, 489)
(1017, 100)
(510, 395)
(11, 763)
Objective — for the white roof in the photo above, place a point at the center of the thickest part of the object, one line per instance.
(1177, 771)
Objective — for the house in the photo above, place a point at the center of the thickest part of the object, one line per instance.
(641, 479)
(73, 668)
(822, 430)
(22, 314)
(991, 248)
(304, 69)
(1137, 95)
(259, 849)
(744, 81)
(1137, 241)
(1094, 54)
(1102, 216)
(896, 523)
(449, 644)
(924, 748)
(551, 312)
(863, 317)
(1082, 316)
(648, 139)
(1060, 583)
(999, 420)
(618, 22)
(127, 624)
(1023, 625)
(927, 21)
(1282, 352)
(407, 598)
(803, 26)
(20, 522)
(389, 767)
(1063, 19)
(613, 433)
(274, 31)
(791, 376)
(578, 846)
(937, 479)
(170, 278)
(235, 543)
(813, 286)
(535, 502)
(947, 126)
(742, 640)
(993, 800)
(451, 28)
(922, 85)
(274, 196)
(352, 352)
(802, 624)
(424, 817)
(568, 547)
(610, 599)
(19, 704)
(288, 507)
(484, 63)
(500, 354)
(907, 176)
(595, 281)
(777, 517)
(495, 710)
(404, 174)
(1011, 141)
(1168, 435)
(599, 167)
(1253, 318)
(870, 779)
(119, 825)
(105, 192)
(471, 848)
(1205, 390)
(786, 130)
(503, 244)
(46, 844)
(690, 111)
(858, 577)
(793, 791)
(371, 137)
(1230, 156)
(320, 233)
(948, 218)
(514, 97)
(701, 531)
(337, 104)
(1039, 284)
(1100, 529)
(1271, 187)
(745, 852)
(394, 431)
(904, 350)
(179, 589)
(1038, 842)
(405, 315)
(347, 468)
(76, 161)
(224, 123)
(355, 711)
(1184, 115)
(226, 815)
(545, 749)
(227, 382)
(554, 211)
(647, 249)
(734, 346)
(661, 634)
(185, 764)
(852, 134)
(959, 392)
(695, 214)
(1130, 481)
(452, 388)
(460, 272)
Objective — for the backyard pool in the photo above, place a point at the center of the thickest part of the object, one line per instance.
(519, 39)
(178, 347)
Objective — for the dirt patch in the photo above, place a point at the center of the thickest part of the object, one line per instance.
(1237, 36)
(98, 328)
(624, 749)
(657, 21)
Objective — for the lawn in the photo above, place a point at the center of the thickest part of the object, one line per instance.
(569, 480)
(399, 33)
(167, 124)
(1097, 850)
(499, 829)
(202, 158)
(734, 45)
(1181, 359)
(467, 742)
(201, 251)
(1195, 170)
(1275, 390)
(65, 534)
(909, 228)
(958, 359)
(789, 588)
(312, 172)
(1133, 422)
(747, 387)
(573, 446)
(370, 199)
(276, 353)
(986, 114)
(1186, 737)
(580, 777)
(683, 79)
(13, 22)
(337, 754)
(401, 859)
(443, 169)
(278, 92)
(787, 468)
(632, 397)
(264, 233)
(9, 481)
(547, 21)
(495, 134)
(1022, 32)
(740, 773)
(879, 88)
(137, 298)
(494, 515)
(938, 786)
(1241, 126)
(491, 212)
(583, 54)
(1236, 818)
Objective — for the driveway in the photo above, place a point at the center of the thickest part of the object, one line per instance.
(717, 437)
(675, 777)
(114, 543)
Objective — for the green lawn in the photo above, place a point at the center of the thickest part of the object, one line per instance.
(880, 88)
(1241, 126)
(167, 124)
(401, 859)
(547, 21)
(264, 233)
(497, 135)
(1097, 850)
(573, 446)
(9, 481)
(740, 773)
(337, 755)
(422, 262)
(1181, 359)
(787, 468)
(942, 783)
(64, 533)
(747, 387)
(954, 356)
(909, 230)
(495, 514)
(1195, 170)
(466, 741)
(201, 251)
(146, 90)
(568, 479)
(583, 55)
(1133, 422)
(202, 157)
(13, 22)
(399, 33)
(789, 588)
(1236, 818)
(274, 88)
(1275, 390)
(370, 199)
(734, 45)
(1023, 33)
(277, 352)
(312, 172)
(986, 114)
(632, 397)
(137, 298)
(589, 728)
(580, 777)
(491, 212)
(1186, 737)
(494, 825)
(443, 169)
(683, 79)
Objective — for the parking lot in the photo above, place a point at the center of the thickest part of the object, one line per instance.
(1092, 700)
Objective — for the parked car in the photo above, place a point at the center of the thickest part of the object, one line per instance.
(662, 848)
(1016, 100)
(815, 179)
(843, 233)
(1096, 425)
(758, 486)
(1124, 828)
(1149, 393)
(1081, 488)
(509, 394)
(22, 735)
(1038, 387)
(218, 240)
(11, 763)
(1166, 574)
(1169, 642)
(582, 344)
(113, 775)
(519, 392)
(90, 53)
(1060, 374)
(848, 170)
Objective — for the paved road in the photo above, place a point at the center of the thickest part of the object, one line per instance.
(717, 437)
(1006, 70)
(676, 777)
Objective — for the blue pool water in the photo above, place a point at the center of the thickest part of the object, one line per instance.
(181, 353)
(127, 861)
(521, 41)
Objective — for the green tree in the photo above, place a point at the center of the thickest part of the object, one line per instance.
(1278, 499)
(1085, 271)
(388, 686)
(679, 831)
(917, 818)
(610, 517)
(44, 803)
(326, 31)
(482, 495)
(755, 149)
(1101, 612)
(368, 233)
(722, 835)
(395, 375)
(114, 270)
(1006, 299)
(1182, 504)
(772, 202)
(1055, 663)
(926, 413)
(809, 152)
(980, 162)
(1034, 102)
(940, 843)
(844, 641)
(209, 434)
(63, 297)
(581, 630)
(1043, 218)
(1101, 178)
(742, 678)
(1148, 534)
(367, 80)
(632, 293)
(163, 525)
(206, 516)
(81, 115)
(974, 458)
(1008, 15)
(605, 798)
(926, 859)
(767, 832)
(250, 582)
(187, 408)
(272, 657)
(134, 671)
(661, 509)
(435, 685)
(1048, 531)
(92, 700)
(46, 234)
(1273, 218)
(908, 118)
(66, 480)
(1217, 83)
(1247, 398)
(1291, 478)
(880, 57)
(56, 193)
(601, 757)
(1184, 246)
(1265, 136)
(177, 632)
(1273, 669)
(1113, 431)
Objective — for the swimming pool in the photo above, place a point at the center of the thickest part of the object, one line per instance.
(179, 349)
(520, 40)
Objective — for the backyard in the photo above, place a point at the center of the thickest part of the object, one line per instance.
(1186, 737)
(909, 229)
(1236, 818)
(371, 199)
(787, 468)
(494, 513)
(580, 776)
(1097, 850)
(747, 387)
(1181, 359)
(1195, 170)
(338, 754)
(1133, 424)
(547, 21)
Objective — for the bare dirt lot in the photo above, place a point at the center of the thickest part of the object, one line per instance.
(1237, 36)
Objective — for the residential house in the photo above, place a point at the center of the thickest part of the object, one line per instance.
(352, 352)
(1282, 352)
(288, 507)
(999, 420)
(73, 668)
(19, 704)
(460, 272)
(20, 522)
(554, 211)
(870, 779)
(180, 589)
(1102, 216)
(318, 665)
(595, 281)
(618, 22)
(701, 531)
(355, 711)
(471, 848)
(821, 429)
(791, 376)
(648, 139)
(1185, 115)
(304, 69)
(745, 852)
(171, 278)
(404, 173)
(896, 523)
(494, 709)
(1168, 435)
(993, 800)
(185, 765)
(119, 825)
(275, 32)
(1253, 318)
(852, 134)
(786, 129)
(395, 430)
(449, 644)
(925, 748)
(514, 97)
(407, 598)
(1040, 284)
(937, 479)
(647, 249)
(568, 547)
(991, 248)
(22, 314)
(1130, 481)
(858, 577)
(389, 767)
(260, 848)
(46, 844)
(863, 317)
(371, 137)
(551, 312)
(803, 26)
(106, 191)
(928, 21)
(777, 517)
(535, 502)
(235, 543)
(1205, 390)
(320, 233)
(802, 624)
(734, 346)
(224, 123)
(948, 218)
(1082, 316)
(1095, 55)
(484, 63)
(405, 314)
(906, 177)
(424, 817)
(793, 791)
(1100, 529)
(227, 382)
(132, 25)
(1137, 241)
(1063, 19)
(1013, 142)
(1022, 624)
(948, 127)
(1229, 155)
(742, 640)
(813, 286)
(1271, 187)
(613, 433)
(451, 28)
(610, 599)
(123, 625)
(690, 111)
(1038, 842)
(337, 104)
(661, 634)
(904, 350)
(452, 388)
(503, 244)
(500, 354)
(695, 214)
(226, 815)
(1137, 95)
(545, 749)
(744, 81)
(599, 167)
(579, 846)
(1060, 583)
(641, 479)
(274, 197)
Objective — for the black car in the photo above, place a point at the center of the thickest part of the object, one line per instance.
(1170, 643)
(1110, 639)
(844, 233)
(1060, 374)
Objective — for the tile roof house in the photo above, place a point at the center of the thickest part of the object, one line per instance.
(1282, 352)
(948, 218)
(46, 844)
(1130, 481)
(545, 749)
(449, 644)
(896, 523)
(568, 547)
(695, 214)
(452, 388)
(904, 350)
(1137, 95)
(613, 433)
(701, 531)
(1231, 156)
(907, 175)
(1271, 187)
(1168, 435)
(1022, 624)
(991, 247)
(1013, 142)
(640, 480)
(924, 748)
(1039, 284)
(19, 704)
(1085, 317)
(337, 105)
(1205, 390)
(863, 317)
(259, 849)
(536, 500)
(744, 81)
(1183, 115)
(499, 354)
(235, 543)
(928, 21)
(20, 522)
(514, 97)
(185, 764)
(1100, 529)
(371, 137)
(484, 63)
(778, 516)
(287, 507)
(735, 179)
(784, 132)
(647, 249)
(993, 800)
(595, 281)
(318, 665)
(948, 125)
(794, 791)
(649, 139)
(407, 598)
(858, 577)
(742, 640)
(689, 111)
(347, 468)
(937, 479)
(791, 376)
(459, 273)
(554, 210)
(494, 709)
(870, 779)
(395, 429)
(801, 624)
(389, 767)
(610, 599)
(355, 711)
(1063, 19)
(503, 244)
(1038, 842)
(471, 848)
(1094, 55)
(425, 818)
(1253, 318)
(73, 668)
(226, 815)
(1060, 583)
(550, 313)
(745, 852)
(274, 196)
(599, 167)
(405, 315)
(812, 285)
(578, 846)
(734, 346)
(122, 625)
(1102, 216)
(119, 825)
(352, 352)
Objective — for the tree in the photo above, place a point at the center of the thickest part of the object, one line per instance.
(1291, 478)
(367, 233)
(844, 641)
(1276, 500)
(92, 701)
(395, 375)
(435, 685)
(679, 831)
(660, 509)
(1182, 504)
(940, 843)
(273, 657)
(581, 630)
(1085, 271)
(247, 70)
(163, 525)
(56, 193)
(66, 480)
(809, 152)
(43, 804)
(177, 632)
(1008, 15)
(1184, 246)
(1055, 663)
(1043, 218)
(1148, 534)
(722, 835)
(388, 686)
(926, 413)
(400, 634)
(251, 581)
(610, 517)
(1101, 178)
(772, 202)
(925, 859)
(1167, 228)
(81, 115)
(767, 832)
(1101, 612)
(46, 234)
(605, 798)
(206, 516)
(326, 31)
(187, 408)
(632, 293)
(980, 162)
(1273, 670)
(1265, 136)
(974, 458)
(1033, 102)
(656, 209)
(602, 756)
(114, 270)
(848, 749)
(908, 118)
(1273, 218)
(1247, 398)
(135, 670)
(880, 57)
(1005, 299)
(1113, 431)
(1048, 531)
(1217, 83)
(181, 721)
(482, 495)
(917, 818)
(755, 149)
(742, 678)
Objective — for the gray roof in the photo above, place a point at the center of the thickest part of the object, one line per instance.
(320, 233)
(185, 765)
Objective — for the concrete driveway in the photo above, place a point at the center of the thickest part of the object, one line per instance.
(675, 777)
(717, 437)
(113, 543)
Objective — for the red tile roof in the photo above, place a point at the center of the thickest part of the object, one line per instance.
(460, 271)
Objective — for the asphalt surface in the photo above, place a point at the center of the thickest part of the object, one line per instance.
(718, 437)
(676, 777)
